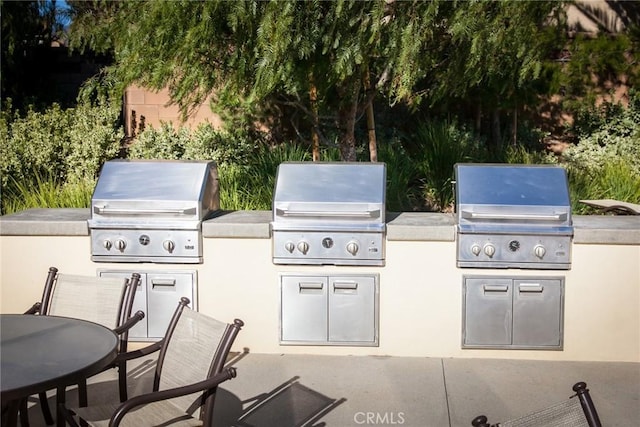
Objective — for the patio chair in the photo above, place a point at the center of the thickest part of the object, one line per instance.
(106, 301)
(190, 366)
(577, 411)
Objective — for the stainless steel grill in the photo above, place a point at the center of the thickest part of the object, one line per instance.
(329, 213)
(513, 216)
(152, 210)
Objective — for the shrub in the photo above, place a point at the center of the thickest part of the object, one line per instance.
(203, 143)
(614, 180)
(46, 191)
(607, 133)
(165, 143)
(402, 176)
(441, 146)
(59, 145)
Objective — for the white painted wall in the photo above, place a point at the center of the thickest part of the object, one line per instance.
(420, 294)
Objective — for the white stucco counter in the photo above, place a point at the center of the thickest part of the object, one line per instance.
(420, 287)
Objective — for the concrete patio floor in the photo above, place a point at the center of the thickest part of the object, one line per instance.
(345, 391)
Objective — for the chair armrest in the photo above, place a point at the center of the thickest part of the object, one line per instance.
(145, 351)
(35, 308)
(138, 316)
(144, 399)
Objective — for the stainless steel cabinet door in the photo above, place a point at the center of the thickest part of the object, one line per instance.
(164, 291)
(304, 308)
(352, 309)
(537, 314)
(488, 312)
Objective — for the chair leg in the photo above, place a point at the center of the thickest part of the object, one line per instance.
(46, 411)
(24, 415)
(10, 413)
(67, 415)
(82, 394)
(122, 381)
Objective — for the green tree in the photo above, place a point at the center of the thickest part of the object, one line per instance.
(324, 59)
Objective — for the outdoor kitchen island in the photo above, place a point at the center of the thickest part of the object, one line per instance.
(420, 287)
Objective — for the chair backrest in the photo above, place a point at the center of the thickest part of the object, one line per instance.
(196, 347)
(106, 301)
(577, 411)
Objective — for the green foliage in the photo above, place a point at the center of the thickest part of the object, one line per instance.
(164, 143)
(402, 176)
(596, 61)
(252, 55)
(252, 186)
(441, 146)
(51, 159)
(46, 192)
(204, 143)
(64, 145)
(614, 180)
(606, 134)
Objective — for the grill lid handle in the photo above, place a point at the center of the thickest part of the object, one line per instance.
(103, 210)
(329, 214)
(532, 217)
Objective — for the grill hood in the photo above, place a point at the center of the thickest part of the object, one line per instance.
(336, 196)
(527, 199)
(154, 193)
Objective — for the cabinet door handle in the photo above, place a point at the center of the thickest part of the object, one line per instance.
(495, 288)
(310, 287)
(163, 282)
(352, 286)
(345, 287)
(531, 288)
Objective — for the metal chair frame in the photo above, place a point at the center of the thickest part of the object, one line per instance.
(208, 387)
(582, 393)
(125, 321)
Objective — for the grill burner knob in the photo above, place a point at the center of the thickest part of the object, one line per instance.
(352, 248)
(289, 246)
(540, 251)
(327, 242)
(107, 244)
(303, 247)
(475, 249)
(489, 250)
(169, 245)
(121, 245)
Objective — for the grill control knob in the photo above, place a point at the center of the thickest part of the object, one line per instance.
(289, 246)
(169, 245)
(303, 247)
(352, 248)
(475, 249)
(489, 250)
(107, 244)
(540, 251)
(121, 245)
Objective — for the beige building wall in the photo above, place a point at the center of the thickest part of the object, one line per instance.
(586, 15)
(145, 108)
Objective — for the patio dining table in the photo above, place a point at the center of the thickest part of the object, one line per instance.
(40, 353)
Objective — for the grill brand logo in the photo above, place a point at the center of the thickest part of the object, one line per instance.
(379, 418)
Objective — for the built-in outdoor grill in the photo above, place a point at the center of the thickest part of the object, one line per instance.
(513, 216)
(329, 213)
(152, 210)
